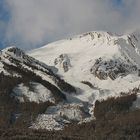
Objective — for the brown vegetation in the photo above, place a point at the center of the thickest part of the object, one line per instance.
(114, 120)
(114, 117)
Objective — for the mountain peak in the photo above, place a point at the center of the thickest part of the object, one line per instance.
(13, 51)
(118, 54)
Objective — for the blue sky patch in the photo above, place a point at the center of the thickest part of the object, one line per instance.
(117, 3)
(4, 13)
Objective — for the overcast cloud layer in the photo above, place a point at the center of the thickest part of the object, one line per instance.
(35, 22)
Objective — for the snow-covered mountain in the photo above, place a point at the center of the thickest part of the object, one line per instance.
(72, 74)
(98, 64)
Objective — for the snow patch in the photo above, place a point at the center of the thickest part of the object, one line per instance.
(35, 92)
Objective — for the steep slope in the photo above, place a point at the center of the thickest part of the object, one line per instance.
(15, 62)
(28, 87)
(99, 64)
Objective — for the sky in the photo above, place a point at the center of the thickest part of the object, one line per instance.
(30, 24)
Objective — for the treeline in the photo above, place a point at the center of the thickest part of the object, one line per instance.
(115, 119)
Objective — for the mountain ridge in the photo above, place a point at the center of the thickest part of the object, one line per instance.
(79, 56)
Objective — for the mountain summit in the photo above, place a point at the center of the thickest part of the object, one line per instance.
(105, 61)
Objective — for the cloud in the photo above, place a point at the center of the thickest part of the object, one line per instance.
(34, 22)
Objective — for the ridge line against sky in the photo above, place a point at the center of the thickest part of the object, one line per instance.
(30, 24)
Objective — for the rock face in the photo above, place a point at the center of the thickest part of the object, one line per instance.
(62, 62)
(112, 69)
